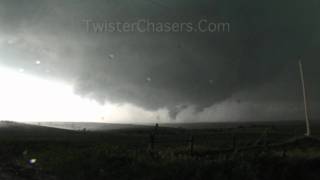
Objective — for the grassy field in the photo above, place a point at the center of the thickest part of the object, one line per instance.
(172, 151)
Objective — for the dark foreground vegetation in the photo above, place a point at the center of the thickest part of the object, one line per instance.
(248, 151)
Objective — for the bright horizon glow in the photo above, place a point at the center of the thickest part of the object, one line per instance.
(27, 98)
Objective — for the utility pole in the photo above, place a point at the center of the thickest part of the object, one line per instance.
(305, 100)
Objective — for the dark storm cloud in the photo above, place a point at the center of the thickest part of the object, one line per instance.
(172, 70)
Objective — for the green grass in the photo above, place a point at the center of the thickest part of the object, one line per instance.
(126, 154)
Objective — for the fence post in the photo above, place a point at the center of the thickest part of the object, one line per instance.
(156, 127)
(284, 152)
(234, 142)
(265, 139)
(151, 143)
(191, 144)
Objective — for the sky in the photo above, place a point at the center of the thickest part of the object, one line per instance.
(56, 64)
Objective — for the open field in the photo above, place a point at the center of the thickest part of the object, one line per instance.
(208, 151)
